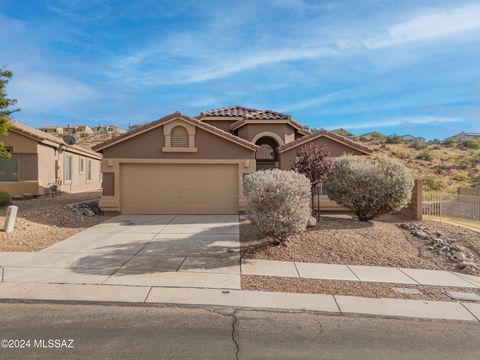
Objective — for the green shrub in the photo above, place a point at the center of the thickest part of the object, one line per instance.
(450, 142)
(5, 198)
(425, 155)
(470, 144)
(464, 163)
(394, 139)
(433, 184)
(278, 202)
(370, 186)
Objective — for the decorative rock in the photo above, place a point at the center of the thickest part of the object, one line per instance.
(460, 256)
(312, 222)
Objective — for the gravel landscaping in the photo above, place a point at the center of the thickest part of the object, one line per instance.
(339, 239)
(353, 288)
(44, 221)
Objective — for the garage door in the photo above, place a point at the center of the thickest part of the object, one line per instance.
(179, 189)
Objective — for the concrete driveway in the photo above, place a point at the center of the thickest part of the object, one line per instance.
(147, 250)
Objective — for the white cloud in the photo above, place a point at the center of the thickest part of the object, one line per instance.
(447, 22)
(45, 92)
(400, 121)
(320, 100)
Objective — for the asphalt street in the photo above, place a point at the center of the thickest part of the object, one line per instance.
(58, 331)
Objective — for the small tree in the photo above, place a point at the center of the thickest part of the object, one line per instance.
(370, 186)
(315, 163)
(278, 202)
(5, 112)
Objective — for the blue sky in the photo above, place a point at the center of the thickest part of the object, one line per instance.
(393, 66)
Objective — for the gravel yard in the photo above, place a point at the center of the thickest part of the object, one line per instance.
(352, 288)
(44, 221)
(339, 239)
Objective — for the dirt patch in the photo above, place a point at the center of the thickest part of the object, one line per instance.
(339, 239)
(44, 221)
(351, 288)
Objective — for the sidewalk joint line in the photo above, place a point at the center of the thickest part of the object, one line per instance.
(464, 279)
(148, 294)
(296, 269)
(183, 261)
(336, 303)
(403, 272)
(353, 272)
(476, 318)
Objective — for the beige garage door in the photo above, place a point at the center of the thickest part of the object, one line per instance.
(179, 189)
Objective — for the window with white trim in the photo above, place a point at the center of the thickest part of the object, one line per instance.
(89, 170)
(67, 167)
(82, 165)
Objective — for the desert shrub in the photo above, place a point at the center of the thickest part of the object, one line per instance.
(464, 163)
(278, 202)
(418, 145)
(314, 162)
(394, 139)
(450, 142)
(470, 144)
(461, 176)
(370, 186)
(433, 184)
(5, 198)
(425, 155)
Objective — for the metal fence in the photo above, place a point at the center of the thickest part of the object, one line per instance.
(453, 206)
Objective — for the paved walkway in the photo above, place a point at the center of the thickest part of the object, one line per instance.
(358, 273)
(141, 250)
(242, 299)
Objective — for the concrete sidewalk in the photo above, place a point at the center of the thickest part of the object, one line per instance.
(141, 295)
(378, 274)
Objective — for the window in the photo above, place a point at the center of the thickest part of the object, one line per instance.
(179, 137)
(82, 165)
(67, 167)
(9, 169)
(89, 170)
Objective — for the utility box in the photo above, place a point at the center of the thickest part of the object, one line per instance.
(10, 218)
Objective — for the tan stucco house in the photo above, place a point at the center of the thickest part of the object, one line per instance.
(185, 165)
(40, 159)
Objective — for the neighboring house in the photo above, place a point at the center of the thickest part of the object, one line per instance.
(77, 129)
(108, 129)
(464, 136)
(372, 135)
(54, 130)
(40, 159)
(408, 138)
(185, 165)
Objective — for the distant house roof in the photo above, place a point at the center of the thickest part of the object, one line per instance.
(329, 134)
(51, 127)
(48, 139)
(247, 113)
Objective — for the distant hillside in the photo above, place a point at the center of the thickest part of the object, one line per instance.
(444, 167)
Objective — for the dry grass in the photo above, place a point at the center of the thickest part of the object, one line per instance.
(44, 221)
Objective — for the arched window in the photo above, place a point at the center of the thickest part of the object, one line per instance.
(265, 152)
(179, 137)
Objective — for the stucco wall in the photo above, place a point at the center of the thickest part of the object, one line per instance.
(79, 181)
(221, 124)
(149, 146)
(249, 131)
(46, 172)
(336, 149)
(20, 143)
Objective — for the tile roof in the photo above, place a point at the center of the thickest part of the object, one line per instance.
(154, 124)
(322, 132)
(41, 136)
(246, 113)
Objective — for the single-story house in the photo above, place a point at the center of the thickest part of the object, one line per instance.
(40, 160)
(408, 138)
(54, 130)
(464, 136)
(184, 165)
(77, 129)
